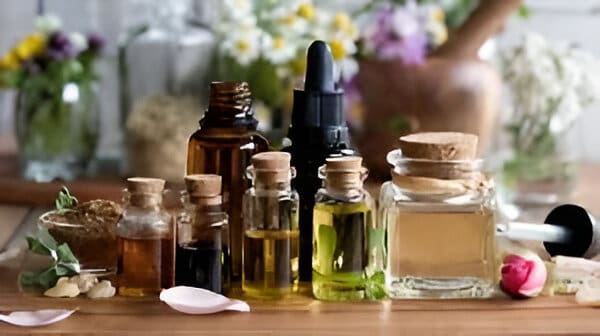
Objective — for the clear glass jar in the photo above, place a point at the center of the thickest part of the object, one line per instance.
(145, 240)
(271, 234)
(348, 244)
(439, 217)
(57, 130)
(203, 256)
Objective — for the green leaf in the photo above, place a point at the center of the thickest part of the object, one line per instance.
(65, 200)
(36, 247)
(65, 254)
(326, 243)
(65, 262)
(524, 12)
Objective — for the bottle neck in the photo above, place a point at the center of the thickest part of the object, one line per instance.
(230, 105)
(148, 201)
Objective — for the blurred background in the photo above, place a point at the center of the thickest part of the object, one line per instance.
(96, 87)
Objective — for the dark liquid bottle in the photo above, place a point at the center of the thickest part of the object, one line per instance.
(223, 145)
(202, 258)
(318, 131)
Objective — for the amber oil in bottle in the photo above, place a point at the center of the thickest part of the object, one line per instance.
(145, 240)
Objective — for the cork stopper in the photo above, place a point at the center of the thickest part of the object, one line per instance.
(271, 167)
(344, 172)
(204, 189)
(145, 191)
(440, 146)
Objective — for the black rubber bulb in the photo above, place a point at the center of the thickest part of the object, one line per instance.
(319, 68)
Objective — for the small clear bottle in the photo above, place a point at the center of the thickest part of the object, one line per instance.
(202, 256)
(271, 235)
(348, 245)
(439, 214)
(145, 240)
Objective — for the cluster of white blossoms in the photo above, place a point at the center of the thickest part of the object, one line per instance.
(550, 83)
(281, 31)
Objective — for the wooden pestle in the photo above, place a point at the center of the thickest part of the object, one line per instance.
(484, 22)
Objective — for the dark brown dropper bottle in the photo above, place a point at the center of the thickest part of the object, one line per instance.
(318, 131)
(223, 145)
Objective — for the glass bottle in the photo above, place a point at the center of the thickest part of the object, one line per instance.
(202, 255)
(271, 237)
(348, 245)
(223, 145)
(439, 214)
(145, 240)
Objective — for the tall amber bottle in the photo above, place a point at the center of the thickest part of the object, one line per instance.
(223, 145)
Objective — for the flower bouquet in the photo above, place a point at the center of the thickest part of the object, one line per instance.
(56, 113)
(264, 43)
(551, 84)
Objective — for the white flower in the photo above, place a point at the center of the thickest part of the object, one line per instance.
(238, 9)
(287, 22)
(244, 47)
(78, 41)
(278, 50)
(48, 23)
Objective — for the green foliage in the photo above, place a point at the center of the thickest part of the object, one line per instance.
(65, 201)
(65, 263)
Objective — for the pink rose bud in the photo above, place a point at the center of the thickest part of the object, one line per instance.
(523, 276)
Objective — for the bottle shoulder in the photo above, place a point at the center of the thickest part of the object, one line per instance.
(140, 223)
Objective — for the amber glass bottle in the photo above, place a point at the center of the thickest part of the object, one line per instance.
(223, 145)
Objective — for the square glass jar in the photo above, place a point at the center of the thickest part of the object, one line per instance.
(440, 223)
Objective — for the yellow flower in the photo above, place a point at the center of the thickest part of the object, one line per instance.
(31, 46)
(289, 19)
(307, 11)
(10, 61)
(337, 49)
(437, 14)
(342, 21)
(278, 43)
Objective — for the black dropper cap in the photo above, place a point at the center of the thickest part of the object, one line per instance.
(585, 234)
(318, 114)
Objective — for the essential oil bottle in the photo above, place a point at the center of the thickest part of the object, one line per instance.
(145, 240)
(223, 145)
(271, 236)
(348, 245)
(439, 213)
(318, 131)
(202, 258)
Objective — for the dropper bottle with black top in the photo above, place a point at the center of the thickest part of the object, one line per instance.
(318, 131)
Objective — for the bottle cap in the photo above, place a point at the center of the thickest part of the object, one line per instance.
(343, 173)
(440, 146)
(144, 191)
(145, 185)
(318, 116)
(585, 234)
(203, 185)
(272, 167)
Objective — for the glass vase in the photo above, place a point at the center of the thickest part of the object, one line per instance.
(57, 129)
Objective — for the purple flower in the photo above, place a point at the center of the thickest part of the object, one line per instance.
(60, 47)
(397, 33)
(95, 42)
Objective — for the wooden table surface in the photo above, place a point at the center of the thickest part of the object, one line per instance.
(304, 316)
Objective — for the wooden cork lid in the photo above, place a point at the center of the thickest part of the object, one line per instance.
(203, 185)
(344, 172)
(145, 185)
(272, 167)
(344, 164)
(145, 192)
(440, 146)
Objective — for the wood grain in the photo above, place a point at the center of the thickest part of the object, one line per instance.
(302, 315)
